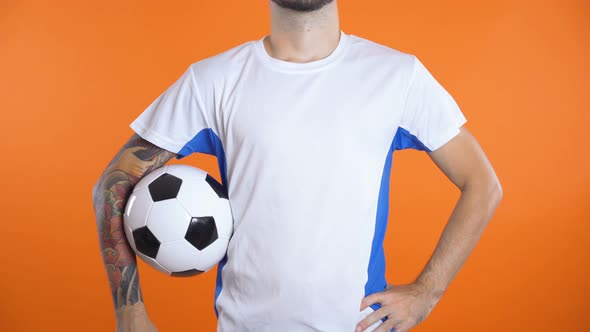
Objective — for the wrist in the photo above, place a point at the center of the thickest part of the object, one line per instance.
(129, 310)
(430, 287)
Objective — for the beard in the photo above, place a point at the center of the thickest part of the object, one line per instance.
(302, 5)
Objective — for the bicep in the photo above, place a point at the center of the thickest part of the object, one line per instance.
(463, 161)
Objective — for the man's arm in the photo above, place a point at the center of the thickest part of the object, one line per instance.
(466, 165)
(464, 162)
(134, 160)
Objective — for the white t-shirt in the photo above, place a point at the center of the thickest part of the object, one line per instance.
(305, 152)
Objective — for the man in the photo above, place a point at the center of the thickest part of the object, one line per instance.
(304, 123)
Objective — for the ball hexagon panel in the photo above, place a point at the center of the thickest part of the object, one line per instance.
(178, 256)
(212, 254)
(168, 220)
(129, 236)
(166, 186)
(197, 175)
(186, 172)
(146, 242)
(137, 208)
(153, 263)
(200, 200)
(224, 219)
(149, 177)
(196, 196)
(201, 232)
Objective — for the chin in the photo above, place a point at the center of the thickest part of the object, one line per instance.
(302, 5)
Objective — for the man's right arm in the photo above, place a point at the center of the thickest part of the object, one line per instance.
(134, 160)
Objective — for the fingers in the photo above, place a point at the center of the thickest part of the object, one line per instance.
(142, 166)
(389, 325)
(136, 148)
(371, 319)
(150, 163)
(371, 299)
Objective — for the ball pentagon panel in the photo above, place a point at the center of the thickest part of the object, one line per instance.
(201, 232)
(146, 242)
(149, 177)
(166, 186)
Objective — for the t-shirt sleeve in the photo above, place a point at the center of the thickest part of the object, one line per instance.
(178, 120)
(430, 116)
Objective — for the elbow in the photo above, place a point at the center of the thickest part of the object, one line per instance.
(492, 189)
(495, 193)
(95, 189)
(495, 189)
(499, 191)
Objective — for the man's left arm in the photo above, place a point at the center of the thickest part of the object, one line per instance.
(464, 162)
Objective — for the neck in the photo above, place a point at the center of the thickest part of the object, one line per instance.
(302, 36)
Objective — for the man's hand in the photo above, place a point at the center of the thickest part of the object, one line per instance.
(134, 318)
(405, 306)
(129, 163)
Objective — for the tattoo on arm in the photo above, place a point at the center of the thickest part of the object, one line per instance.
(137, 158)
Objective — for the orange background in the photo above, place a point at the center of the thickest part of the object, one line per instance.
(74, 75)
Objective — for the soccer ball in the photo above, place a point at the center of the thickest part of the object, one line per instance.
(178, 220)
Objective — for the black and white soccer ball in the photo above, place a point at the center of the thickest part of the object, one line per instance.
(178, 219)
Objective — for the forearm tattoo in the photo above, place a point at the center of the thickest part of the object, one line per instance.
(137, 158)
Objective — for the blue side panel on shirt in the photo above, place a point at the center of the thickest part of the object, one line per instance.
(404, 140)
(376, 281)
(376, 271)
(206, 141)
